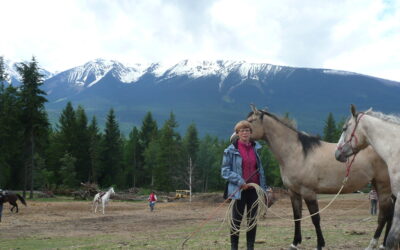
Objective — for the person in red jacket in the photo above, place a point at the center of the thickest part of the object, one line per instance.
(152, 200)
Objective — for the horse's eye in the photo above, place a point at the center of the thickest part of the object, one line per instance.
(344, 129)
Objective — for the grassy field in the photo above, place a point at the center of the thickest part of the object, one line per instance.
(49, 224)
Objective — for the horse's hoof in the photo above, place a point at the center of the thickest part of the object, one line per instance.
(293, 247)
(382, 247)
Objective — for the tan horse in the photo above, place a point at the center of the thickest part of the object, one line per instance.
(308, 167)
(382, 132)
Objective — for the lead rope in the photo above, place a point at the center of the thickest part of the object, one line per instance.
(209, 217)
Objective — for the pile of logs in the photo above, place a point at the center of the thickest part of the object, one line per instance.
(87, 191)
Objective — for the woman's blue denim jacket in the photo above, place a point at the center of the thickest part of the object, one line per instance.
(231, 169)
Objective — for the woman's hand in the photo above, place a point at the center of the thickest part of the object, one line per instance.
(245, 186)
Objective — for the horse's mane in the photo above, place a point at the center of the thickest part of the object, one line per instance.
(307, 141)
(385, 117)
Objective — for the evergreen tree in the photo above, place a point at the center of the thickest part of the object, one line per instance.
(11, 139)
(112, 167)
(329, 129)
(134, 157)
(67, 171)
(191, 142)
(191, 146)
(148, 132)
(207, 157)
(82, 147)
(34, 116)
(339, 129)
(63, 141)
(67, 128)
(151, 157)
(170, 157)
(94, 150)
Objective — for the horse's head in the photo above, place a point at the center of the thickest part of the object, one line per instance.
(353, 137)
(112, 190)
(255, 118)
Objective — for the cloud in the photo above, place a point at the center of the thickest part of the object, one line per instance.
(359, 36)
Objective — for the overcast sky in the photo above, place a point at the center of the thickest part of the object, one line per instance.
(361, 36)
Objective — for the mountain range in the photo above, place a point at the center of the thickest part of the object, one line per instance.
(213, 94)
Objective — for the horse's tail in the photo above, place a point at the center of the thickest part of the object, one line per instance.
(21, 199)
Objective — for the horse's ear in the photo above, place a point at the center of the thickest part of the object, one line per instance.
(353, 110)
(369, 110)
(253, 108)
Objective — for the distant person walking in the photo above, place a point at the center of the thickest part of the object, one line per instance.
(1, 203)
(373, 197)
(152, 201)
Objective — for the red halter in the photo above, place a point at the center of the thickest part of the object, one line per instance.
(353, 135)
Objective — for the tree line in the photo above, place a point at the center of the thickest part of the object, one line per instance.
(37, 156)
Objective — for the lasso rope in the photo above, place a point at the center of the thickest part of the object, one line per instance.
(259, 204)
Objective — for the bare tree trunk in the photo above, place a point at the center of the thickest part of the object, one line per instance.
(26, 167)
(32, 164)
(190, 178)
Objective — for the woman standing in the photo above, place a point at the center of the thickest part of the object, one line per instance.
(241, 165)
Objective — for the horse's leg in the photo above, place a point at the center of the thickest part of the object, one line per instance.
(313, 208)
(297, 207)
(385, 216)
(14, 205)
(389, 210)
(103, 203)
(394, 233)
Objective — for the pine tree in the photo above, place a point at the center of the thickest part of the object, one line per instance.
(151, 157)
(67, 128)
(134, 157)
(148, 132)
(170, 156)
(191, 146)
(94, 150)
(34, 116)
(112, 168)
(67, 171)
(339, 129)
(329, 129)
(206, 159)
(11, 139)
(82, 147)
(191, 142)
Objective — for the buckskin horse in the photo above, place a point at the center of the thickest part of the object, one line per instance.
(308, 167)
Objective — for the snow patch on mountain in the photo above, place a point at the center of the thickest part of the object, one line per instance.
(12, 73)
(337, 72)
(92, 72)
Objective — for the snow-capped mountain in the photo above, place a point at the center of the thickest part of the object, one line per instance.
(87, 75)
(215, 94)
(13, 75)
(91, 72)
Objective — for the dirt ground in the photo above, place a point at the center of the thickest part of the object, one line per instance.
(346, 223)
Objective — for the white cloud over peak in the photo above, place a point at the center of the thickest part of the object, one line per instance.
(359, 35)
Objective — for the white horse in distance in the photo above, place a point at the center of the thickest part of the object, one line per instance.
(103, 198)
